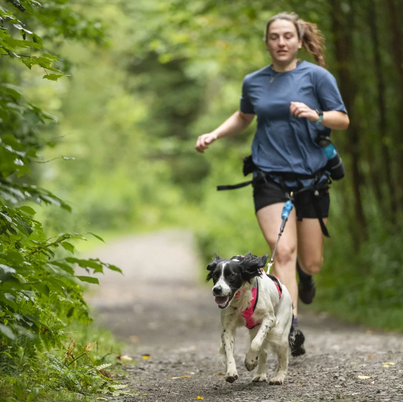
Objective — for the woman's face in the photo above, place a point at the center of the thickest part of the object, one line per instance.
(283, 42)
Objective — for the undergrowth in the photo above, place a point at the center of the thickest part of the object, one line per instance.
(85, 368)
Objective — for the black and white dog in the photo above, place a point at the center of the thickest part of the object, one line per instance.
(248, 296)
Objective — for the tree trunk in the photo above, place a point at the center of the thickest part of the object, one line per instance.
(341, 27)
(389, 202)
(397, 54)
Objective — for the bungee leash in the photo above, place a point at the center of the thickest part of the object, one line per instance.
(284, 215)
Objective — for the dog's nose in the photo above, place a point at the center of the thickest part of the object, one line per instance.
(217, 290)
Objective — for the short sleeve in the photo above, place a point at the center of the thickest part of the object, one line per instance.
(329, 94)
(246, 105)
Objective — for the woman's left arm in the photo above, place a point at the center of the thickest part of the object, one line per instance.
(332, 119)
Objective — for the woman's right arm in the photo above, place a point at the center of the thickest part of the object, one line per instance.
(234, 125)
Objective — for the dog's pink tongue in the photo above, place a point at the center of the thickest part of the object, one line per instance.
(221, 300)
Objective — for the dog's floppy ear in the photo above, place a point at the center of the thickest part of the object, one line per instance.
(251, 266)
(211, 267)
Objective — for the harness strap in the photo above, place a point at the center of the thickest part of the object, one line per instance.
(247, 314)
(318, 212)
(283, 176)
(234, 186)
(277, 283)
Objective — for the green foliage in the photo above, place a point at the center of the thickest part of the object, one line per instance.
(132, 112)
(76, 370)
(40, 293)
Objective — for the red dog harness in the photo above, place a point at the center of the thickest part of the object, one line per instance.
(247, 314)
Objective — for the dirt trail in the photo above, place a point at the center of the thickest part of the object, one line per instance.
(159, 307)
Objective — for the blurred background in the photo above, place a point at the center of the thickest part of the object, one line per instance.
(168, 71)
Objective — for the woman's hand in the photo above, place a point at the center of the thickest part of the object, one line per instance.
(204, 141)
(333, 119)
(300, 110)
(233, 125)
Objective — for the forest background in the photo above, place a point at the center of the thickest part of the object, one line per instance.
(171, 70)
(131, 112)
(136, 83)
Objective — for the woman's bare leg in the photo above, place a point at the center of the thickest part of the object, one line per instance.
(284, 267)
(310, 245)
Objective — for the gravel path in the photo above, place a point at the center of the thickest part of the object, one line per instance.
(160, 308)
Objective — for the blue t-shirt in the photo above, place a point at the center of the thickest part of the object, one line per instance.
(283, 142)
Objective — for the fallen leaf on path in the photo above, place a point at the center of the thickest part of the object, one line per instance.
(146, 356)
(388, 364)
(124, 357)
(371, 356)
(199, 397)
(186, 376)
(364, 377)
(220, 374)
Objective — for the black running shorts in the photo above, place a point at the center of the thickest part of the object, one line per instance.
(269, 192)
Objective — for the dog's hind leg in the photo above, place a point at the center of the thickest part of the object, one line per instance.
(282, 356)
(228, 343)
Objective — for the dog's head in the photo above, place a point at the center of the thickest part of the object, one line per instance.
(229, 275)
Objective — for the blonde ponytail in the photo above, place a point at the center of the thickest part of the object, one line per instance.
(313, 41)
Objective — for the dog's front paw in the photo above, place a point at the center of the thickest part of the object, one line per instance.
(260, 378)
(251, 360)
(277, 380)
(231, 377)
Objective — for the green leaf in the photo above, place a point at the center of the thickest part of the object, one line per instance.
(7, 332)
(52, 77)
(65, 267)
(96, 236)
(19, 391)
(88, 279)
(42, 288)
(28, 210)
(49, 116)
(68, 247)
(113, 268)
(70, 312)
(86, 263)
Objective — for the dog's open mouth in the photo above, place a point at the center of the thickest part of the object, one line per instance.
(223, 301)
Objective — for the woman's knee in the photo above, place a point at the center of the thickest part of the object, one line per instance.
(311, 267)
(285, 254)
